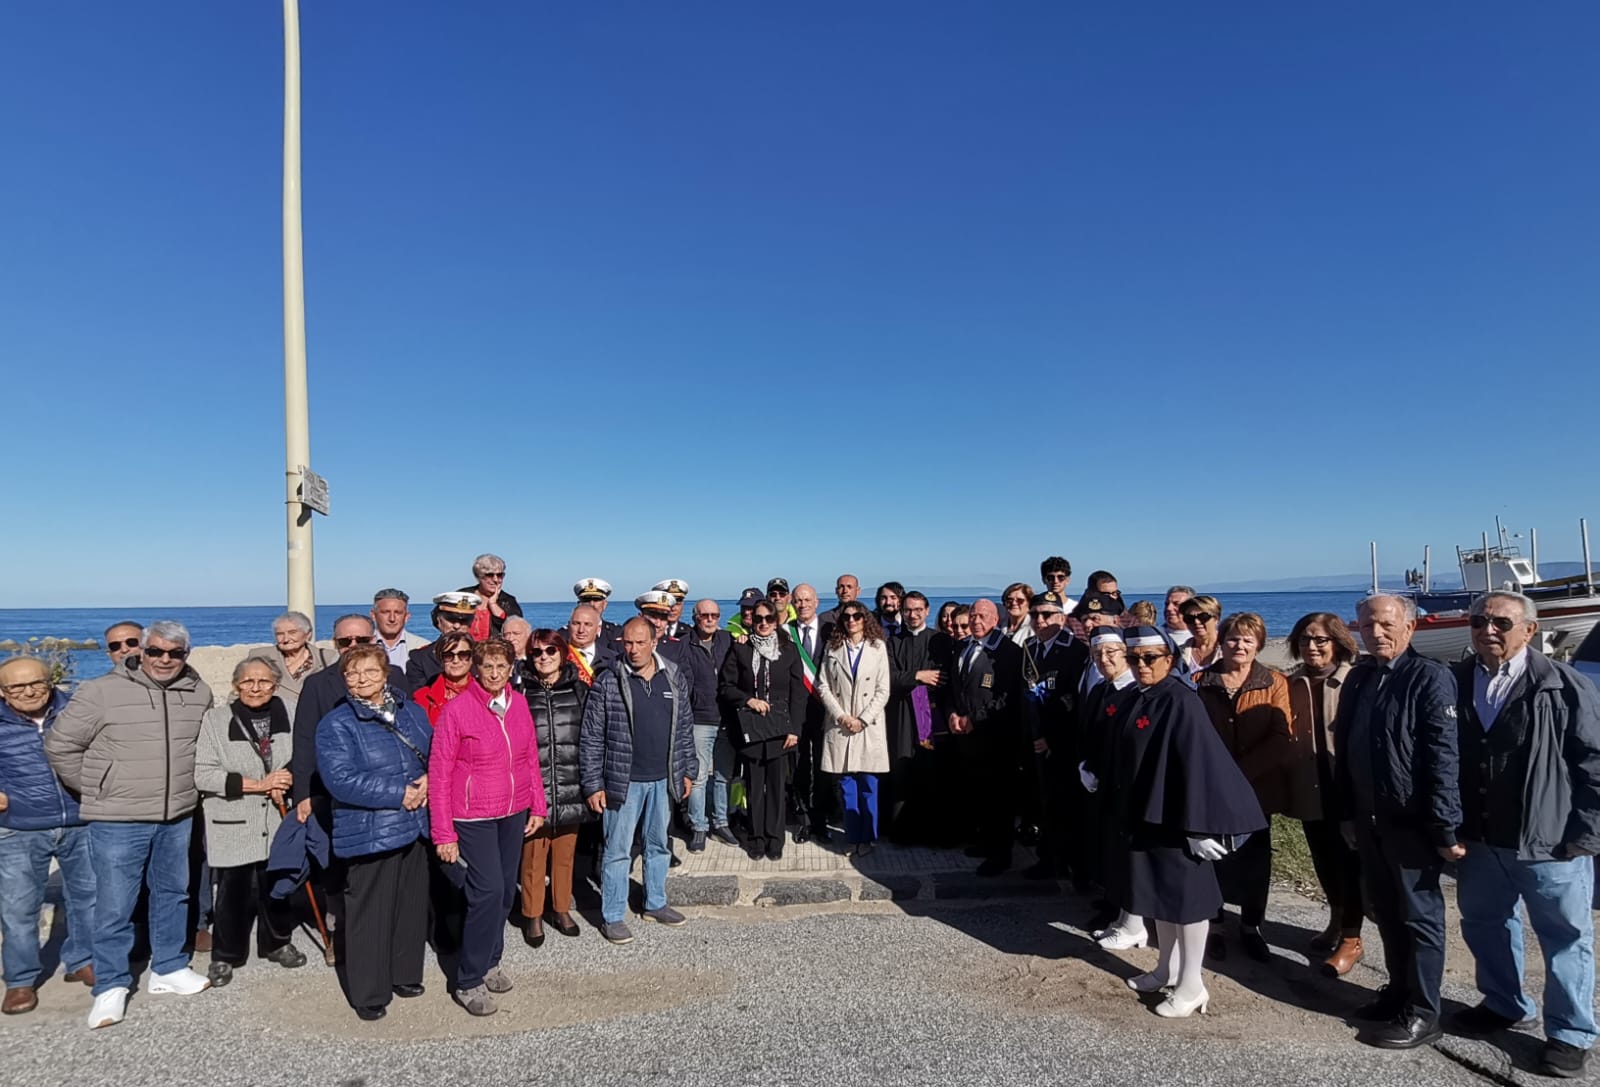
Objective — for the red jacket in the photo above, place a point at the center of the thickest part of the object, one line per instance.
(482, 765)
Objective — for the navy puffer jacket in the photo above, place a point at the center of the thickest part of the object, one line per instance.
(605, 751)
(366, 769)
(37, 800)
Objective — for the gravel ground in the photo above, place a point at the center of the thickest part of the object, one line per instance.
(864, 993)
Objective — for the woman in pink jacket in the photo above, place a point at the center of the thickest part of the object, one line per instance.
(484, 796)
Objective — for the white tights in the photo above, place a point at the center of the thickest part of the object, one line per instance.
(1182, 951)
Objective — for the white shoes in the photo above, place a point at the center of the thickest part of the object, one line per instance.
(1149, 983)
(184, 982)
(108, 1008)
(1175, 1007)
(1120, 939)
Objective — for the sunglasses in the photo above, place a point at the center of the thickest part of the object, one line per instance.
(1499, 622)
(764, 619)
(354, 639)
(1055, 577)
(1190, 618)
(1036, 612)
(708, 615)
(456, 655)
(127, 643)
(500, 576)
(855, 616)
(1146, 659)
(545, 651)
(156, 653)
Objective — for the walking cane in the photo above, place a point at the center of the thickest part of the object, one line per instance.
(328, 955)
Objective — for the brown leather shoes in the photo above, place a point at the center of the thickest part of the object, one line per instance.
(18, 1001)
(1344, 958)
(84, 973)
(202, 942)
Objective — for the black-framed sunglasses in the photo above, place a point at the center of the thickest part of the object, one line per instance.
(1499, 622)
(855, 617)
(456, 655)
(354, 639)
(763, 617)
(156, 653)
(126, 643)
(1190, 618)
(545, 651)
(1146, 659)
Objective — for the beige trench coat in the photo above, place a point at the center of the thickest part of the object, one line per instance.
(865, 696)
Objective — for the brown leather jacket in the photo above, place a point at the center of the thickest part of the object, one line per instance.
(1254, 724)
(1313, 740)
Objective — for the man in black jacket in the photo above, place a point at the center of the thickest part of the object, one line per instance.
(1530, 794)
(1398, 795)
(1053, 667)
(813, 792)
(911, 669)
(985, 695)
(705, 648)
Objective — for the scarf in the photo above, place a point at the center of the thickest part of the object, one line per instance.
(765, 646)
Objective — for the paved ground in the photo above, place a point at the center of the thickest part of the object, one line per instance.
(1004, 991)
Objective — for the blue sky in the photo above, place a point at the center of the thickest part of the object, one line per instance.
(722, 291)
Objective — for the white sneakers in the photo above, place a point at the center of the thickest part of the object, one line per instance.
(108, 1009)
(184, 982)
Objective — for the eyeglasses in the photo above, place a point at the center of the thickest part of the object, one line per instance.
(365, 673)
(354, 639)
(456, 655)
(1318, 640)
(1112, 592)
(708, 615)
(1145, 660)
(764, 619)
(1499, 622)
(1016, 602)
(1192, 618)
(258, 683)
(545, 651)
(498, 574)
(1036, 612)
(156, 653)
(126, 643)
(31, 685)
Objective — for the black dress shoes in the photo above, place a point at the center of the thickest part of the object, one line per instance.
(1407, 1032)
(1563, 1060)
(802, 834)
(409, 991)
(1480, 1020)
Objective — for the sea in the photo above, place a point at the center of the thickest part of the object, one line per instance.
(251, 623)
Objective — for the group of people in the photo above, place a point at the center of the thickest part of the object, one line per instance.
(436, 786)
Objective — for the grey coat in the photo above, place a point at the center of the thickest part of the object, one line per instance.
(239, 827)
(125, 744)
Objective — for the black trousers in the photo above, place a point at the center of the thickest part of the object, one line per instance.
(1339, 871)
(1245, 876)
(492, 849)
(1400, 877)
(764, 763)
(385, 927)
(244, 899)
(992, 747)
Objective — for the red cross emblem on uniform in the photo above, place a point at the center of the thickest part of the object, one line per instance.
(1143, 722)
(1111, 711)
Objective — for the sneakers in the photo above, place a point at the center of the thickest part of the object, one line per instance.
(1481, 1020)
(108, 1008)
(477, 1001)
(288, 956)
(496, 981)
(666, 915)
(617, 932)
(724, 835)
(219, 974)
(184, 982)
(697, 842)
(1563, 1060)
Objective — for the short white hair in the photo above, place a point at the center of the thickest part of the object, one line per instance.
(1407, 604)
(488, 564)
(298, 618)
(1530, 610)
(168, 630)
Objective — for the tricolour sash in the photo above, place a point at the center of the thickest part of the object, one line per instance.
(809, 665)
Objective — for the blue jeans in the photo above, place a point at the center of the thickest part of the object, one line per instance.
(125, 856)
(715, 754)
(1557, 895)
(860, 794)
(24, 872)
(648, 805)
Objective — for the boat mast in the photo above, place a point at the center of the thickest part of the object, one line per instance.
(1427, 568)
(1533, 546)
(1588, 571)
(1374, 545)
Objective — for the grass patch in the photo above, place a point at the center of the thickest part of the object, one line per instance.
(1291, 859)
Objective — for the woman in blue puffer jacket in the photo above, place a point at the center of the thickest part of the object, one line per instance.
(372, 754)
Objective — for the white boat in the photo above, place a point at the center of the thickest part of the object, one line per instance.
(1447, 636)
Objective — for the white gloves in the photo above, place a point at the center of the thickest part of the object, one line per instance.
(1207, 849)
(1090, 782)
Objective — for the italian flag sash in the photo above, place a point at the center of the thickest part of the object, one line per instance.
(584, 671)
(809, 665)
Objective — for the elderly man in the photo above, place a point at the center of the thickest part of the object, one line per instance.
(985, 692)
(1398, 797)
(704, 651)
(1172, 615)
(490, 574)
(125, 744)
(517, 631)
(452, 612)
(39, 822)
(813, 794)
(635, 755)
(391, 611)
(585, 647)
(1529, 736)
(122, 639)
(1054, 665)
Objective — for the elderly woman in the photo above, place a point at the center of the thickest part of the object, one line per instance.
(1249, 706)
(495, 604)
(454, 651)
(1325, 649)
(1200, 616)
(1098, 719)
(297, 657)
(853, 684)
(762, 691)
(241, 765)
(1177, 804)
(556, 696)
(1018, 599)
(372, 756)
(487, 796)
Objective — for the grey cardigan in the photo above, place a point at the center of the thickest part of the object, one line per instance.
(239, 827)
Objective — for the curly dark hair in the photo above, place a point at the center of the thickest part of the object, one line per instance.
(870, 628)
